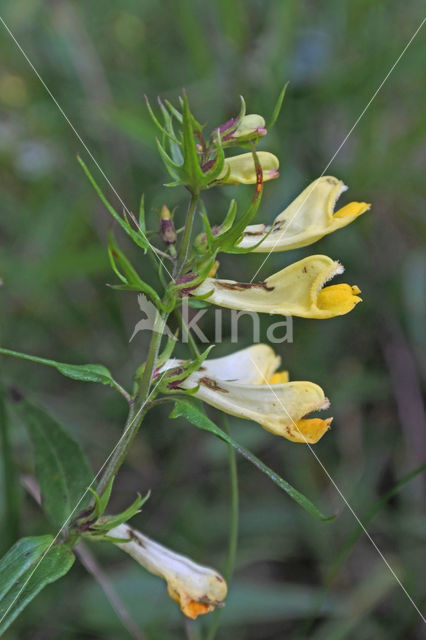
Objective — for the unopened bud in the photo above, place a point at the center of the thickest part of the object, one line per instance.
(242, 170)
(249, 128)
(167, 227)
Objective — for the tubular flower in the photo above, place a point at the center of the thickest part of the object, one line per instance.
(245, 384)
(307, 219)
(297, 290)
(241, 169)
(197, 589)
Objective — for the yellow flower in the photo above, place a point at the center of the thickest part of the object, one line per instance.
(241, 169)
(245, 384)
(307, 219)
(297, 290)
(197, 589)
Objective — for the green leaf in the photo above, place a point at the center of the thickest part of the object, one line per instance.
(127, 273)
(63, 471)
(30, 565)
(139, 236)
(191, 165)
(277, 109)
(142, 224)
(110, 522)
(81, 372)
(196, 417)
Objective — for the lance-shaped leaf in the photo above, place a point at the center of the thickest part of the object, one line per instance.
(128, 274)
(193, 174)
(30, 565)
(277, 109)
(196, 417)
(174, 144)
(99, 529)
(165, 130)
(138, 236)
(63, 472)
(81, 372)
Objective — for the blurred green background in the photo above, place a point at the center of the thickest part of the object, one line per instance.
(99, 59)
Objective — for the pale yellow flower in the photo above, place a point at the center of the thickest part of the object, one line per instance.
(250, 126)
(297, 290)
(307, 219)
(241, 169)
(197, 589)
(245, 384)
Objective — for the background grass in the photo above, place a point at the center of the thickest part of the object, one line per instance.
(99, 59)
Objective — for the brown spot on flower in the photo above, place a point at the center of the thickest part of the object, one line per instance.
(243, 286)
(212, 384)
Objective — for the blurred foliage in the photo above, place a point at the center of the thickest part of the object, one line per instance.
(99, 59)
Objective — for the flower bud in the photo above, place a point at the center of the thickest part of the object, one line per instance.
(250, 127)
(167, 227)
(242, 170)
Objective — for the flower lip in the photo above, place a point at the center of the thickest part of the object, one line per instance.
(242, 384)
(305, 220)
(297, 290)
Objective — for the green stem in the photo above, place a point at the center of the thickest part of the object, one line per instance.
(185, 331)
(138, 407)
(233, 530)
(187, 233)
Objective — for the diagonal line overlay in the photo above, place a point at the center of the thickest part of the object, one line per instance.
(78, 136)
(345, 139)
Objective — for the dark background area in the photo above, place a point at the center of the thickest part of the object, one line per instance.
(99, 59)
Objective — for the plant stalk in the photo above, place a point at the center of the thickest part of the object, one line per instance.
(187, 233)
(138, 407)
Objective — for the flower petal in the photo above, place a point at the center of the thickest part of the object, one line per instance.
(197, 589)
(307, 219)
(252, 365)
(278, 408)
(293, 291)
